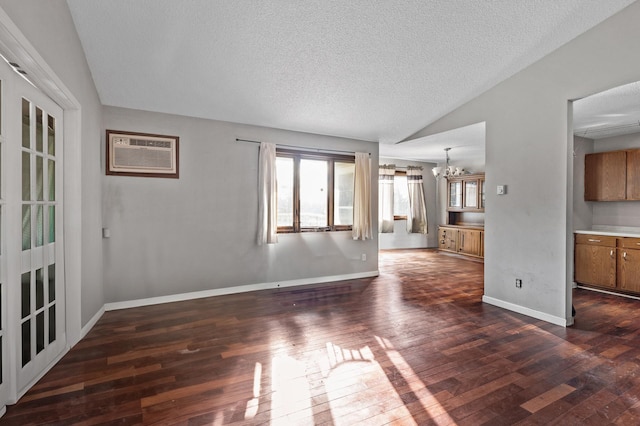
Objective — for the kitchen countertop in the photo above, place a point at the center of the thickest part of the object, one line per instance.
(611, 231)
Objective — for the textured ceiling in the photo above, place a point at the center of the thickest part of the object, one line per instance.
(365, 69)
(610, 113)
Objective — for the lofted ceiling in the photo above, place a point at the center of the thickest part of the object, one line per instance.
(365, 69)
(610, 113)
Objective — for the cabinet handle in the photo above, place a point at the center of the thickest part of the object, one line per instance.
(591, 240)
(611, 253)
(624, 255)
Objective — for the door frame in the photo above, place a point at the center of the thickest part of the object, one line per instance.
(16, 48)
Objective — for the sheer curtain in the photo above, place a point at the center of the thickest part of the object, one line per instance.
(417, 217)
(362, 229)
(267, 195)
(385, 197)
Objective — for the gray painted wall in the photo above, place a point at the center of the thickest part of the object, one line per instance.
(582, 210)
(49, 28)
(529, 147)
(616, 213)
(171, 236)
(400, 238)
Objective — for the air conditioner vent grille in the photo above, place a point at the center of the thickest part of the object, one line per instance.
(150, 143)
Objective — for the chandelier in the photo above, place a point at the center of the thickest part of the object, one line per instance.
(447, 171)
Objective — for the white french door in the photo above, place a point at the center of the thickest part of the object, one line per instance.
(32, 287)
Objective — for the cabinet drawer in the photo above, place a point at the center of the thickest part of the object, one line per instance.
(596, 240)
(629, 243)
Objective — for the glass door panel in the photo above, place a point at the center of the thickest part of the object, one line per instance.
(455, 194)
(471, 194)
(41, 321)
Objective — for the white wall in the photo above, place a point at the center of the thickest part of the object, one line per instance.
(582, 210)
(196, 233)
(400, 238)
(48, 26)
(616, 213)
(529, 147)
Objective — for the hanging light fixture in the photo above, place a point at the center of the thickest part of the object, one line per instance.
(448, 171)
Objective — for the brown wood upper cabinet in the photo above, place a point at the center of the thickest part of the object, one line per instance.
(633, 174)
(612, 176)
(466, 193)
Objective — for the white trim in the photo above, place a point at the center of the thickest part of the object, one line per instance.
(89, 325)
(527, 311)
(232, 290)
(72, 218)
(609, 292)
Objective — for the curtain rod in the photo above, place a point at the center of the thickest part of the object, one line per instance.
(302, 148)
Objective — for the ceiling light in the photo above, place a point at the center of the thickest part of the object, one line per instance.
(448, 171)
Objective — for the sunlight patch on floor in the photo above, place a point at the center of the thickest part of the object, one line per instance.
(429, 402)
(252, 404)
(291, 398)
(354, 385)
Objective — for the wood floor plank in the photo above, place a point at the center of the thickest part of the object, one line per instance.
(415, 345)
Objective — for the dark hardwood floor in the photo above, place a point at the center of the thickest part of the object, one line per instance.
(413, 346)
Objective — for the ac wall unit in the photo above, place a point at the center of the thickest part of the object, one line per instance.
(141, 154)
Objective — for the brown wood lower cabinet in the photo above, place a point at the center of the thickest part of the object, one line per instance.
(611, 263)
(629, 264)
(595, 259)
(448, 239)
(467, 241)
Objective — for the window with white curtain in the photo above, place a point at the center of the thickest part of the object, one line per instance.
(400, 196)
(315, 191)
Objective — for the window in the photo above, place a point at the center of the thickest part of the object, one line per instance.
(315, 191)
(400, 196)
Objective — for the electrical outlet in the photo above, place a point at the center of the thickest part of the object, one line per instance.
(363, 257)
(518, 283)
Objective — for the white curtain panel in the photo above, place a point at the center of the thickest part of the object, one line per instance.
(267, 195)
(385, 198)
(417, 217)
(362, 229)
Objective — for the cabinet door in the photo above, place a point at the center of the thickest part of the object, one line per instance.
(470, 194)
(452, 240)
(442, 238)
(605, 176)
(629, 270)
(448, 239)
(595, 265)
(633, 174)
(469, 242)
(455, 194)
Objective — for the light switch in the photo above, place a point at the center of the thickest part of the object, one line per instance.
(502, 189)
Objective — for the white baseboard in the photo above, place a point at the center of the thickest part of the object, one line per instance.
(628, 296)
(527, 311)
(88, 326)
(232, 290)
